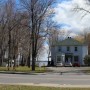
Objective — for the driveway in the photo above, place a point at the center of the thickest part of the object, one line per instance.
(67, 69)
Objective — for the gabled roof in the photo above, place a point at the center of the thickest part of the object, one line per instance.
(70, 42)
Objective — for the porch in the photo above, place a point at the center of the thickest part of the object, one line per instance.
(67, 59)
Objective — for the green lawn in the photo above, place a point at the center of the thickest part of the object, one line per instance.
(24, 69)
(13, 87)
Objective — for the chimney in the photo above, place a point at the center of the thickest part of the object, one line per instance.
(69, 37)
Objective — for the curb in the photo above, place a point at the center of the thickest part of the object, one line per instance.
(12, 72)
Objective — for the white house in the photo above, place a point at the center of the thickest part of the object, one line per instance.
(68, 50)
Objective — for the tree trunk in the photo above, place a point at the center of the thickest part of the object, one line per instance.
(28, 63)
(33, 62)
(14, 62)
(33, 35)
(33, 53)
(9, 44)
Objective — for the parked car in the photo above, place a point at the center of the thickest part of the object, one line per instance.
(76, 65)
(68, 64)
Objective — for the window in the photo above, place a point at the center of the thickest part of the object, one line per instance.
(75, 49)
(68, 48)
(59, 48)
(76, 58)
(58, 59)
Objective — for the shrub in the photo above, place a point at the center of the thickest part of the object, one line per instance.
(87, 60)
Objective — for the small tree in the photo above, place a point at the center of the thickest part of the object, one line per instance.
(87, 60)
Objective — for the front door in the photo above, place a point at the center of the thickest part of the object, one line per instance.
(68, 58)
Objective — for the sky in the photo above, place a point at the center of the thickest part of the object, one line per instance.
(66, 16)
(69, 18)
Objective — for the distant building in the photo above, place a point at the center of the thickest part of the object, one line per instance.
(68, 51)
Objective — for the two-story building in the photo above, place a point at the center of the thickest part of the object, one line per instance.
(68, 51)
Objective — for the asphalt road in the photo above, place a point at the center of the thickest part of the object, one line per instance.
(48, 78)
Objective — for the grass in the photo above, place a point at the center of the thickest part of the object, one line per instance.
(24, 69)
(19, 87)
(86, 71)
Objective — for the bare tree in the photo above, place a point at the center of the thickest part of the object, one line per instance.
(37, 10)
(12, 25)
(3, 33)
(84, 11)
(25, 29)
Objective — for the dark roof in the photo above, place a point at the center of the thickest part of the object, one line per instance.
(70, 42)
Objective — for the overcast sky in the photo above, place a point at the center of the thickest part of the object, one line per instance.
(70, 19)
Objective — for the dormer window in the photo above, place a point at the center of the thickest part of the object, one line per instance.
(68, 48)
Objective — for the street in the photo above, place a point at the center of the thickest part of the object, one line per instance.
(47, 78)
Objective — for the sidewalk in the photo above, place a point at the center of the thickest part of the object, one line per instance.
(49, 85)
(59, 70)
(44, 73)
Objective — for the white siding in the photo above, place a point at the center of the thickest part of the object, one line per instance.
(53, 54)
(75, 53)
(84, 52)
